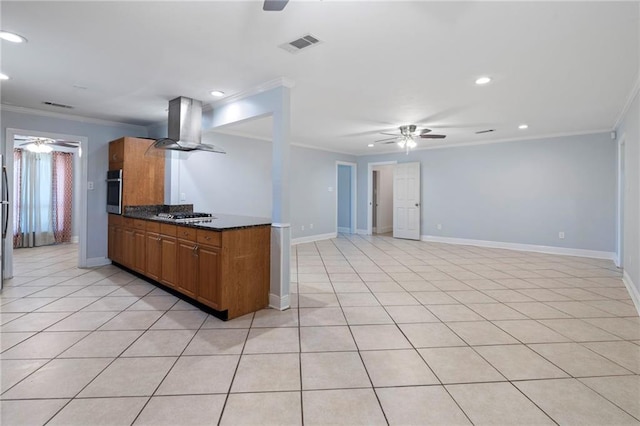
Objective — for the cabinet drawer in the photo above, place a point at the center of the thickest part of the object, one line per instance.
(210, 238)
(167, 229)
(152, 226)
(127, 222)
(185, 233)
(139, 224)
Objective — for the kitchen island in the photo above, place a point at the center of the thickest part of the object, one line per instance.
(221, 264)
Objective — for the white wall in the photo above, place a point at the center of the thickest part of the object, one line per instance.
(238, 182)
(517, 192)
(629, 131)
(384, 217)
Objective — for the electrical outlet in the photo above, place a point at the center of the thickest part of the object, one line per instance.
(330, 189)
(439, 226)
(90, 186)
(183, 196)
(561, 235)
(302, 227)
(311, 226)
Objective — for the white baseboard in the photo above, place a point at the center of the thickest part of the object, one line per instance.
(522, 247)
(616, 259)
(97, 261)
(279, 303)
(362, 232)
(75, 239)
(312, 238)
(384, 230)
(632, 289)
(344, 230)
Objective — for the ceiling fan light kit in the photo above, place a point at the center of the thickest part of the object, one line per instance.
(406, 138)
(38, 148)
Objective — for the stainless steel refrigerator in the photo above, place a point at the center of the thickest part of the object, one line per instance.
(4, 217)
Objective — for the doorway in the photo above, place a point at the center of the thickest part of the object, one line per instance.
(380, 197)
(346, 174)
(79, 191)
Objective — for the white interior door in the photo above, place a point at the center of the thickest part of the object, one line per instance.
(406, 201)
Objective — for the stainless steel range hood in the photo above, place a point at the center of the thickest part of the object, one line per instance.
(185, 128)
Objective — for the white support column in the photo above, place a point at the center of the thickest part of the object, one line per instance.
(281, 230)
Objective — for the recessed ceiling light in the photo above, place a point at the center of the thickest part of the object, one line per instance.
(523, 126)
(217, 93)
(370, 145)
(483, 80)
(13, 38)
(4, 77)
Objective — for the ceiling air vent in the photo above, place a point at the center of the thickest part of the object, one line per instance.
(53, 104)
(297, 45)
(485, 131)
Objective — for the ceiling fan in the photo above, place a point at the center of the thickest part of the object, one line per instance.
(407, 136)
(37, 144)
(274, 5)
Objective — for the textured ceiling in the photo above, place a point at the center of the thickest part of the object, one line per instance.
(560, 67)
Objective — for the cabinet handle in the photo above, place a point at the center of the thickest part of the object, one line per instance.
(158, 239)
(208, 238)
(115, 157)
(195, 250)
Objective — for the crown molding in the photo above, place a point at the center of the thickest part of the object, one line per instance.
(54, 114)
(268, 85)
(627, 104)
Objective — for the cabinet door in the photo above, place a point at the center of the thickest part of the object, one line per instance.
(154, 256)
(169, 258)
(128, 247)
(116, 154)
(187, 280)
(111, 242)
(139, 251)
(209, 276)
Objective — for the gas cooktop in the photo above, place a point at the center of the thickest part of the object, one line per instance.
(186, 217)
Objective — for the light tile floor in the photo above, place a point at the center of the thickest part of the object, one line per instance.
(380, 331)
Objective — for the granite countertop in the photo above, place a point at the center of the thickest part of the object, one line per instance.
(218, 222)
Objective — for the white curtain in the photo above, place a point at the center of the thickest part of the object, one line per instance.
(36, 198)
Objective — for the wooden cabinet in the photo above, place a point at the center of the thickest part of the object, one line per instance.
(209, 276)
(226, 270)
(116, 154)
(187, 262)
(140, 251)
(142, 173)
(115, 238)
(153, 250)
(169, 272)
(128, 246)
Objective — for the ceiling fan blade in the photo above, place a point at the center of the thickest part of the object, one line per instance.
(388, 142)
(390, 134)
(65, 144)
(274, 5)
(387, 139)
(431, 136)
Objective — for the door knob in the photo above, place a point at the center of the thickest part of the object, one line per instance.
(417, 204)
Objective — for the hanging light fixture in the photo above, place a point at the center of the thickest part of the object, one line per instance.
(39, 148)
(406, 140)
